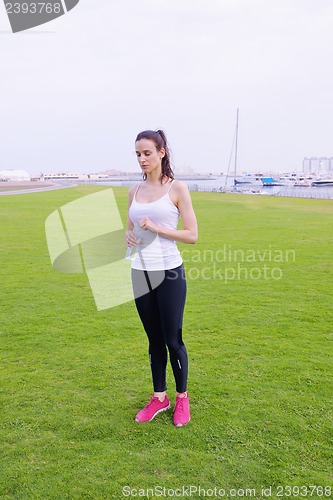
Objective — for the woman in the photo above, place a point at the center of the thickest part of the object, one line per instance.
(158, 278)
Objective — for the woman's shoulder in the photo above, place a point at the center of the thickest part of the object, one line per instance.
(133, 188)
(179, 192)
(179, 186)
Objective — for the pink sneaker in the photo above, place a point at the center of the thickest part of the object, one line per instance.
(182, 411)
(152, 409)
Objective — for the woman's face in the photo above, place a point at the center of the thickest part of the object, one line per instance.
(148, 156)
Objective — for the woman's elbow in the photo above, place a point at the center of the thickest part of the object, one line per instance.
(193, 237)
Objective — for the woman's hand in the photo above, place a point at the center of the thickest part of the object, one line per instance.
(130, 238)
(147, 224)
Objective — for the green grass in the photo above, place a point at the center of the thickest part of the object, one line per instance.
(260, 351)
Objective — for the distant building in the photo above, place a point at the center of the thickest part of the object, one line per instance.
(52, 176)
(110, 172)
(14, 175)
(184, 170)
(60, 175)
(317, 164)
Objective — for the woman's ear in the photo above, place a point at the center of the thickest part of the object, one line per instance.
(162, 153)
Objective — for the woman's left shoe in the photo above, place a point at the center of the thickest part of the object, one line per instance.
(181, 414)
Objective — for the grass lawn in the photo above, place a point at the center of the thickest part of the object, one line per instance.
(258, 329)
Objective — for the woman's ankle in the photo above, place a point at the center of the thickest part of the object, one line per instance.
(181, 394)
(160, 395)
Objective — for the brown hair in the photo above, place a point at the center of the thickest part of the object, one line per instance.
(160, 141)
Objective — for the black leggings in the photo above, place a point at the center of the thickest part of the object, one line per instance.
(161, 312)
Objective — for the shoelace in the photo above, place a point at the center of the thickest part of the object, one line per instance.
(179, 404)
(151, 402)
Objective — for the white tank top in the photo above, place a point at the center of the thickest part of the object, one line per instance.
(155, 253)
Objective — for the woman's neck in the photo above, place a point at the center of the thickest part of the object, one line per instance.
(154, 177)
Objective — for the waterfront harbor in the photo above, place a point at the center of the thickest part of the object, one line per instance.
(248, 184)
(224, 184)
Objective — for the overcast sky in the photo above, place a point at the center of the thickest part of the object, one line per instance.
(76, 91)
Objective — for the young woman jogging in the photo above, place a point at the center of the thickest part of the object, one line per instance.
(158, 277)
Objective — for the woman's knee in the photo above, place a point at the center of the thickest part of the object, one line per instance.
(174, 345)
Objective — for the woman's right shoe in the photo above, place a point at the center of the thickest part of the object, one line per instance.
(151, 409)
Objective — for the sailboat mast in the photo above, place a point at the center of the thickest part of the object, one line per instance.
(236, 143)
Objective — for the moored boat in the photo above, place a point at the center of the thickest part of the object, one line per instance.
(322, 183)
